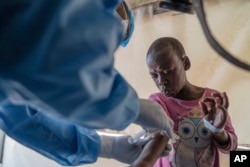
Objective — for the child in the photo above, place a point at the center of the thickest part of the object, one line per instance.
(200, 114)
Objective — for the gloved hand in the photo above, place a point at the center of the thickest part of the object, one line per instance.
(119, 148)
(139, 139)
(152, 117)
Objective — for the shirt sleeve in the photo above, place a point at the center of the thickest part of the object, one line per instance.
(63, 142)
(63, 61)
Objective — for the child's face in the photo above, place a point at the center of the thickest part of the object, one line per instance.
(167, 71)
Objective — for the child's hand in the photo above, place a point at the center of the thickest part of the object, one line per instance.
(215, 110)
(221, 99)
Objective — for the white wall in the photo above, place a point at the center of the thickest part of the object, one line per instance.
(229, 20)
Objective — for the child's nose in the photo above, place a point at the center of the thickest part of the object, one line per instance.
(162, 80)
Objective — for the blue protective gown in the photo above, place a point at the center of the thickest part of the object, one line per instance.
(57, 58)
(59, 140)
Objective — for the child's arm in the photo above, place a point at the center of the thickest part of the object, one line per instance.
(152, 151)
(232, 138)
(221, 138)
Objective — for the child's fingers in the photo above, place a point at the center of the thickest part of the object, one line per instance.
(210, 100)
(221, 117)
(225, 100)
(167, 150)
(212, 114)
(221, 99)
(218, 97)
(224, 111)
(168, 147)
(203, 108)
(209, 109)
(209, 103)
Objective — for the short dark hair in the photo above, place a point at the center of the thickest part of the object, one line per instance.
(168, 44)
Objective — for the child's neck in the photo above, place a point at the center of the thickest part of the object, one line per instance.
(190, 92)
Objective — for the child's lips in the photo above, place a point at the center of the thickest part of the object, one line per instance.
(166, 92)
(169, 93)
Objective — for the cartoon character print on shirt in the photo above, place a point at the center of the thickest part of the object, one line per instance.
(195, 140)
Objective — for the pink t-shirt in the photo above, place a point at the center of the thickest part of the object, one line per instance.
(195, 148)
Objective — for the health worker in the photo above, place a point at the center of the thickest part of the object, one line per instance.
(58, 84)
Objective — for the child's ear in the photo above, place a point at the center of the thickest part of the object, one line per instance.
(186, 63)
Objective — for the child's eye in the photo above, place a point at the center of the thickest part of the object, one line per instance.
(165, 71)
(153, 75)
(168, 71)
